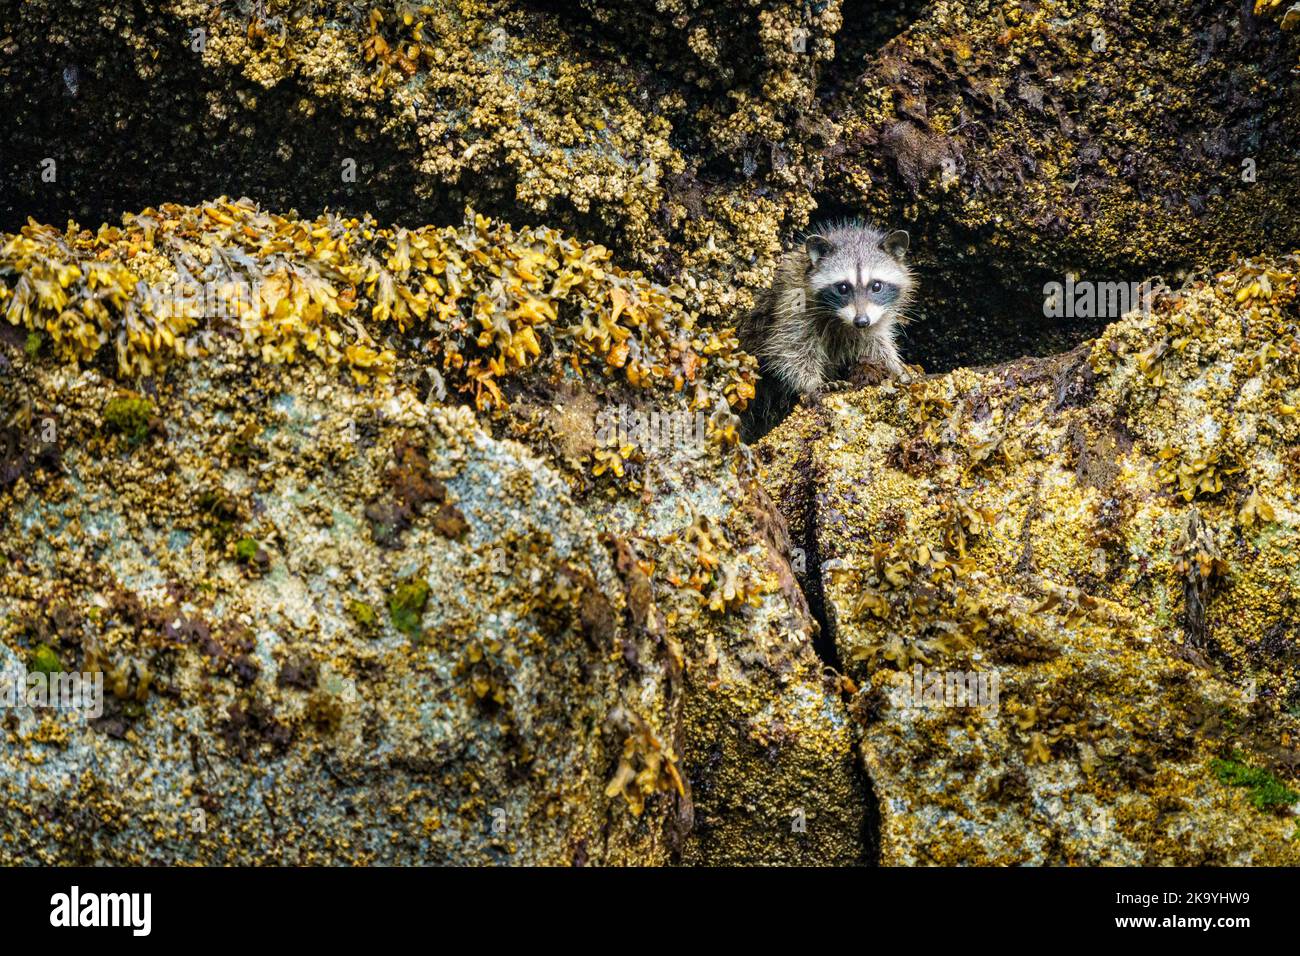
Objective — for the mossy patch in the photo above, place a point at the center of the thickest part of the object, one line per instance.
(245, 550)
(252, 555)
(128, 416)
(363, 614)
(1267, 792)
(406, 606)
(45, 660)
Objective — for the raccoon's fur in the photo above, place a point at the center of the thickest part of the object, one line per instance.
(835, 306)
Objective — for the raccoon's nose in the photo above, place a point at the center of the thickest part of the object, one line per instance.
(861, 321)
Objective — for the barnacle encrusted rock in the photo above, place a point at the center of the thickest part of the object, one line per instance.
(1016, 141)
(768, 46)
(331, 508)
(1101, 547)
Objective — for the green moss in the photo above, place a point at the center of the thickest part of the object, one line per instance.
(128, 416)
(406, 606)
(245, 550)
(32, 346)
(363, 613)
(45, 660)
(1266, 791)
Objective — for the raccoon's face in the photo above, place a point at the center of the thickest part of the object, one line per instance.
(858, 275)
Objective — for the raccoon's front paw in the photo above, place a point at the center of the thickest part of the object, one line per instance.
(813, 398)
(867, 374)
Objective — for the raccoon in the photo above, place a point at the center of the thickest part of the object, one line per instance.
(833, 311)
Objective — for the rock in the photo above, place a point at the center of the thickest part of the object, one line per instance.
(385, 553)
(777, 44)
(1065, 587)
(1112, 141)
(1021, 145)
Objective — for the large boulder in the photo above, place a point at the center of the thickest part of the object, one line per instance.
(385, 553)
(1066, 587)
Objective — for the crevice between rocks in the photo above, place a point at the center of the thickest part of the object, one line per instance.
(813, 589)
(810, 582)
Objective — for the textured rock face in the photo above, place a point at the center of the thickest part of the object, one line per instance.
(436, 544)
(1117, 141)
(1101, 549)
(342, 616)
(1016, 142)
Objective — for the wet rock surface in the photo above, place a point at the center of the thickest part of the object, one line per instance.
(1064, 588)
(363, 595)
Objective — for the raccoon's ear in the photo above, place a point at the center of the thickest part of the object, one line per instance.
(816, 247)
(895, 243)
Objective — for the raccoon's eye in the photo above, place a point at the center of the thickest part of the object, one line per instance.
(877, 286)
(843, 288)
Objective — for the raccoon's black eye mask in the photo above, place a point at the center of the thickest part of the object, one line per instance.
(882, 293)
(841, 293)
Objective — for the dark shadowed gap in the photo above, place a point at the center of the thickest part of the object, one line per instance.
(968, 313)
(811, 579)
